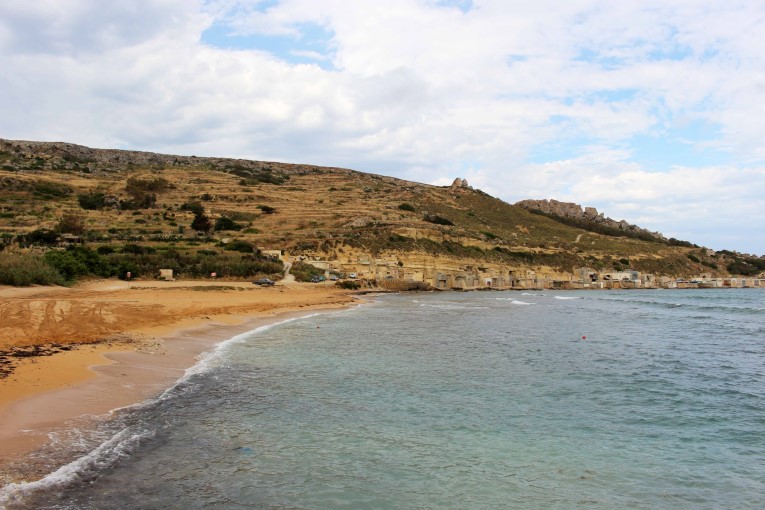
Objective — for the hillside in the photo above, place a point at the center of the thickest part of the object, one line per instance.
(344, 220)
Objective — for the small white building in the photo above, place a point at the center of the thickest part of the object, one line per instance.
(618, 276)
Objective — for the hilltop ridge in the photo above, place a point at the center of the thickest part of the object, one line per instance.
(588, 218)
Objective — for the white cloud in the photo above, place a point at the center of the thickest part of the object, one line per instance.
(525, 99)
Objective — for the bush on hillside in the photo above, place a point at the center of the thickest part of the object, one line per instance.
(201, 223)
(438, 220)
(71, 224)
(139, 186)
(50, 189)
(141, 202)
(225, 223)
(39, 237)
(240, 246)
(92, 201)
(137, 249)
(193, 207)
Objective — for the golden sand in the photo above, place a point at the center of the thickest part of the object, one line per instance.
(131, 340)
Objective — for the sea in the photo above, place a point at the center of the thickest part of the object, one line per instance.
(644, 399)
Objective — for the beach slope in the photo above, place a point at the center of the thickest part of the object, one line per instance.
(83, 351)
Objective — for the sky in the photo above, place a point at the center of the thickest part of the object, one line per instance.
(650, 111)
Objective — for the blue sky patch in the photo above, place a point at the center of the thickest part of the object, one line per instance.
(676, 52)
(604, 61)
(313, 45)
(558, 150)
(463, 5)
(681, 146)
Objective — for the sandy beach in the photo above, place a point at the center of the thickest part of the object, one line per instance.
(109, 344)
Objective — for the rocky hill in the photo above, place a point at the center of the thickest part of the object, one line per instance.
(338, 219)
(588, 218)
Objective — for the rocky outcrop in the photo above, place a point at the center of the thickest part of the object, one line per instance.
(461, 183)
(573, 211)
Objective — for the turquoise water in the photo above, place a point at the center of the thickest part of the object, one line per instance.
(631, 399)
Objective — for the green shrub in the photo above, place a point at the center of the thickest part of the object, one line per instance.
(49, 189)
(201, 223)
(135, 249)
(138, 186)
(347, 284)
(78, 261)
(407, 207)
(438, 220)
(92, 201)
(141, 202)
(253, 176)
(676, 242)
(399, 239)
(60, 266)
(240, 246)
(40, 237)
(304, 272)
(267, 209)
(225, 223)
(519, 255)
(193, 207)
(71, 224)
(740, 267)
(25, 269)
(693, 258)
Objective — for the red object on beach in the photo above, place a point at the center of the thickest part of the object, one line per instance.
(584, 337)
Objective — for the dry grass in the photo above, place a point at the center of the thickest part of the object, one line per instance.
(321, 212)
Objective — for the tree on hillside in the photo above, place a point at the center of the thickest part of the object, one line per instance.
(201, 223)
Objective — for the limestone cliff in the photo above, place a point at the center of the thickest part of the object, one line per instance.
(586, 215)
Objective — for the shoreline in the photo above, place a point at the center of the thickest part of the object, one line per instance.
(47, 394)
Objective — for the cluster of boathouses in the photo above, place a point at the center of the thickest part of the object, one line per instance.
(444, 274)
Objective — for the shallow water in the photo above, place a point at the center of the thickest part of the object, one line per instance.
(631, 399)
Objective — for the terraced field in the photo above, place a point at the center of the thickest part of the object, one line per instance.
(304, 210)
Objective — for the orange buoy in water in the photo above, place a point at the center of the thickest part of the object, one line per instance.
(584, 337)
